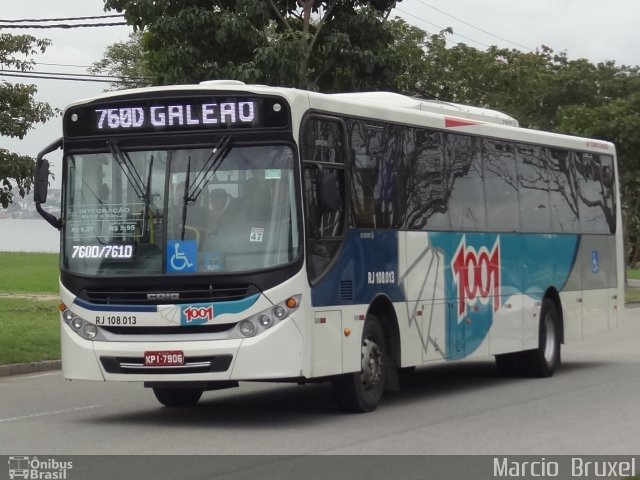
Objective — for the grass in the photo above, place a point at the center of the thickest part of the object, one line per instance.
(29, 272)
(633, 273)
(29, 330)
(632, 294)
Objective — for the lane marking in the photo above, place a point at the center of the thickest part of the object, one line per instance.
(43, 414)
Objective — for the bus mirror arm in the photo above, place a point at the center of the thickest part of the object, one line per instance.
(41, 184)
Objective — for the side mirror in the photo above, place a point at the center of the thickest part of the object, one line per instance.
(41, 183)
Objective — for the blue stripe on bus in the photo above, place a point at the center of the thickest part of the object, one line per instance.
(526, 264)
(368, 261)
(232, 306)
(114, 308)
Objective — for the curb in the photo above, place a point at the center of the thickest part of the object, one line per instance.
(26, 368)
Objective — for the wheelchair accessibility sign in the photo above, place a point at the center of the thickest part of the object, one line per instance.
(182, 256)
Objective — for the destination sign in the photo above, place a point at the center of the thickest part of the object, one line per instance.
(175, 114)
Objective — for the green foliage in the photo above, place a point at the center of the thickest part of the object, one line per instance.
(29, 330)
(125, 61)
(18, 113)
(29, 272)
(330, 45)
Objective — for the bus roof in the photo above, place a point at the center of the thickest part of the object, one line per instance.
(392, 107)
(388, 99)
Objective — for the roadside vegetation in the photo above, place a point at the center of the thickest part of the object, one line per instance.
(29, 329)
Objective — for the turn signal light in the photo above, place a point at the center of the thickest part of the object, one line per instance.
(291, 302)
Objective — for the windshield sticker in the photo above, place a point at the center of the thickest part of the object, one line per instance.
(113, 220)
(212, 261)
(182, 256)
(256, 234)
(273, 174)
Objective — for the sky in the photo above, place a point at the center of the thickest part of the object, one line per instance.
(592, 29)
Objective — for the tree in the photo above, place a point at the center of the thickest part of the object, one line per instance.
(126, 62)
(328, 45)
(18, 113)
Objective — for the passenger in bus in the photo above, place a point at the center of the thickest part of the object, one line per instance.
(218, 202)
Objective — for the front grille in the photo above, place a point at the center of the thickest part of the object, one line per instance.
(166, 294)
(135, 365)
(182, 330)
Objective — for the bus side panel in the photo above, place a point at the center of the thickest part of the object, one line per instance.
(597, 256)
(507, 328)
(537, 275)
(422, 273)
(366, 267)
(568, 281)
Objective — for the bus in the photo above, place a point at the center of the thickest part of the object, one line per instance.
(223, 232)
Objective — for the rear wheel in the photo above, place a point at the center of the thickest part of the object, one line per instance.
(542, 361)
(362, 391)
(177, 397)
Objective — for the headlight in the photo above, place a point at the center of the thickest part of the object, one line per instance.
(266, 319)
(86, 330)
(247, 328)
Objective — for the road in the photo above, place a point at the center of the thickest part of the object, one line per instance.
(589, 407)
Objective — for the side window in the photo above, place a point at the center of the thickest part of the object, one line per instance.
(322, 150)
(463, 174)
(563, 192)
(375, 174)
(500, 186)
(533, 185)
(608, 191)
(593, 217)
(424, 184)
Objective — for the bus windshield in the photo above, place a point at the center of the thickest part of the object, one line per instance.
(180, 211)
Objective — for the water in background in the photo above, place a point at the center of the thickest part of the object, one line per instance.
(28, 235)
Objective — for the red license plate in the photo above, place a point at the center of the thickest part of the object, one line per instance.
(170, 358)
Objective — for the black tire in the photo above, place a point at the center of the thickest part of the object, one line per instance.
(542, 361)
(177, 397)
(362, 391)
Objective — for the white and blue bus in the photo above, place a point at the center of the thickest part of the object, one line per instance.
(224, 232)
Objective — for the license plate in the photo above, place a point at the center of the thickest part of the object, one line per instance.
(169, 358)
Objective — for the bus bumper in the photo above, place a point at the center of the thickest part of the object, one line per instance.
(274, 354)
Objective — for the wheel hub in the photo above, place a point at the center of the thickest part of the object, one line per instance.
(372, 364)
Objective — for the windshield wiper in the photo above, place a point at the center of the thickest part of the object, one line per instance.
(193, 190)
(212, 163)
(129, 170)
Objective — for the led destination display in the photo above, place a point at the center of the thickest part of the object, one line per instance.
(175, 114)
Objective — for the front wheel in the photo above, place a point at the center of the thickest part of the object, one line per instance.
(177, 397)
(361, 391)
